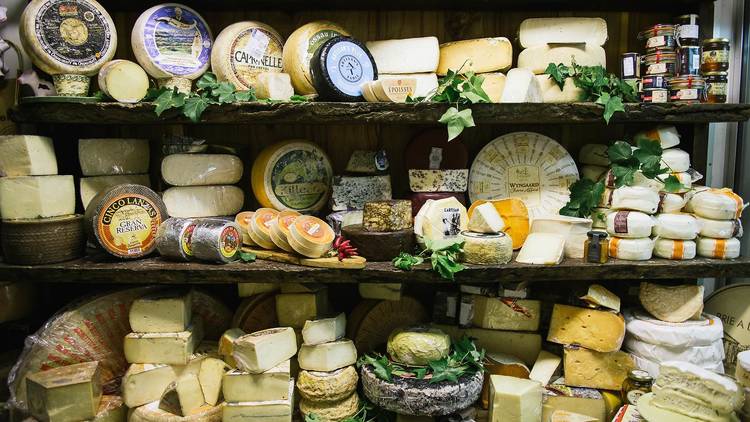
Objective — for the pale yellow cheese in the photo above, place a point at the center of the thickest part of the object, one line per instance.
(184, 396)
(525, 346)
(493, 85)
(262, 350)
(602, 331)
(324, 330)
(328, 356)
(514, 399)
(274, 86)
(36, 197)
(162, 312)
(480, 55)
(169, 348)
(545, 367)
(27, 155)
(67, 393)
(506, 314)
(210, 377)
(144, 383)
(293, 309)
(588, 368)
(272, 384)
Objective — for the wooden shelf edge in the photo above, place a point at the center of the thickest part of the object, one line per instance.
(157, 271)
(373, 113)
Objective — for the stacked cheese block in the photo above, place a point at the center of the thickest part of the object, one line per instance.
(37, 205)
(552, 238)
(718, 212)
(171, 372)
(108, 162)
(742, 375)
(405, 67)
(673, 329)
(202, 185)
(487, 57)
(557, 40)
(286, 230)
(327, 379)
(386, 230)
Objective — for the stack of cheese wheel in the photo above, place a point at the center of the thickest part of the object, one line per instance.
(487, 57)
(718, 212)
(675, 235)
(279, 230)
(386, 230)
(37, 205)
(630, 223)
(406, 67)
(202, 185)
(561, 40)
(673, 327)
(328, 379)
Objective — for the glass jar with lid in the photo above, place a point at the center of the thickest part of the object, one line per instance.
(716, 87)
(688, 30)
(660, 36)
(637, 384)
(659, 63)
(688, 89)
(715, 55)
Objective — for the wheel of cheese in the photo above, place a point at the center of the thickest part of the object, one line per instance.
(326, 387)
(124, 81)
(300, 48)
(339, 68)
(703, 356)
(201, 169)
(486, 249)
(629, 224)
(243, 220)
(515, 214)
(699, 332)
(174, 238)
(593, 173)
(292, 175)
(676, 226)
(639, 181)
(652, 367)
(676, 160)
(672, 203)
(172, 42)
(245, 49)
(310, 236)
(667, 136)
(64, 239)
(216, 240)
(331, 411)
(280, 229)
(152, 413)
(742, 370)
(372, 321)
(718, 204)
(431, 150)
(720, 229)
(259, 228)
(203, 201)
(418, 345)
(718, 248)
(256, 313)
(379, 246)
(675, 249)
(524, 165)
(631, 249)
(420, 397)
(635, 198)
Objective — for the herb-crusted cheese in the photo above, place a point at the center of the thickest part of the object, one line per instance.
(387, 216)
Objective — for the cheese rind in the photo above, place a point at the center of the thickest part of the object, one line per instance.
(601, 331)
(551, 92)
(294, 309)
(699, 332)
(203, 201)
(521, 86)
(630, 224)
(327, 386)
(672, 303)
(270, 410)
(568, 30)
(493, 85)
(480, 55)
(416, 346)
(170, 348)
(635, 198)
(299, 49)
(201, 169)
(714, 390)
(124, 81)
(515, 399)
(410, 55)
(443, 222)
(537, 58)
(325, 330)
(273, 384)
(89, 187)
(66, 393)
(262, 350)
(331, 411)
(675, 249)
(640, 249)
(588, 368)
(720, 229)
(506, 314)
(328, 356)
(714, 248)
(162, 312)
(486, 219)
(184, 396)
(145, 383)
(36, 197)
(27, 155)
(108, 156)
(486, 249)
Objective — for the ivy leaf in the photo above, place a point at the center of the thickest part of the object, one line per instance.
(247, 256)
(299, 99)
(558, 72)
(612, 106)
(168, 99)
(382, 369)
(244, 96)
(420, 373)
(672, 184)
(445, 264)
(457, 121)
(406, 262)
(312, 417)
(207, 80)
(620, 152)
(194, 107)
(584, 197)
(624, 176)
(225, 93)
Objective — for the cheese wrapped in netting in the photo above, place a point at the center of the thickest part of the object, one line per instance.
(418, 345)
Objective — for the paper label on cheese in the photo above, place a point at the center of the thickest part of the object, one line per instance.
(73, 32)
(128, 224)
(300, 178)
(255, 50)
(177, 40)
(451, 222)
(230, 241)
(621, 221)
(186, 240)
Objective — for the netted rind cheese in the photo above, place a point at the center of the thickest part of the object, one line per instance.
(172, 42)
(243, 50)
(26, 197)
(89, 187)
(630, 224)
(675, 249)
(201, 169)
(410, 55)
(667, 136)
(718, 204)
(27, 155)
(418, 345)
(203, 201)
(292, 175)
(592, 172)
(540, 31)
(124, 81)
(676, 226)
(108, 156)
(387, 216)
(631, 249)
(325, 387)
(438, 180)
(720, 229)
(300, 48)
(174, 238)
(481, 55)
(672, 303)
(718, 248)
(279, 230)
(216, 240)
(635, 198)
(486, 249)
(310, 236)
(331, 411)
(353, 192)
(536, 58)
(676, 159)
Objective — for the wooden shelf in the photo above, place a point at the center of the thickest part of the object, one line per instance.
(368, 113)
(100, 269)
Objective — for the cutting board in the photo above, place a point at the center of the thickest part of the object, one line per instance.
(352, 263)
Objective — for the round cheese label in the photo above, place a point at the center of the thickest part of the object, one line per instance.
(127, 225)
(186, 240)
(230, 242)
(255, 50)
(524, 165)
(349, 65)
(74, 32)
(177, 39)
(730, 305)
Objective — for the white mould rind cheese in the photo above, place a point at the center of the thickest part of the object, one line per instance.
(672, 203)
(675, 249)
(631, 249)
(201, 169)
(700, 332)
(676, 159)
(243, 50)
(718, 248)
(629, 224)
(203, 201)
(720, 229)
(676, 226)
(635, 198)
(709, 355)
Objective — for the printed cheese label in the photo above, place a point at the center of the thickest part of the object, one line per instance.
(255, 50)
(229, 242)
(348, 66)
(186, 240)
(74, 32)
(298, 178)
(730, 305)
(177, 39)
(127, 225)
(451, 222)
(658, 41)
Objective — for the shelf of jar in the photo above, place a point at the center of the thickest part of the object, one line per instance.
(100, 269)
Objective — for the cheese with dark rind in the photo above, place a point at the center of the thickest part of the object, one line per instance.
(89, 187)
(339, 68)
(324, 387)
(379, 246)
(387, 216)
(64, 239)
(592, 369)
(299, 49)
(601, 331)
(243, 50)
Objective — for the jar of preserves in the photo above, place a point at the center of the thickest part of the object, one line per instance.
(631, 66)
(655, 82)
(715, 56)
(660, 36)
(661, 63)
(716, 87)
(656, 95)
(596, 247)
(689, 60)
(637, 384)
(688, 30)
(688, 89)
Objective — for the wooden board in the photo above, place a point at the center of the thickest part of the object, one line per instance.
(353, 263)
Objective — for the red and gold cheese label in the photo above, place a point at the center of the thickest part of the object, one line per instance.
(127, 225)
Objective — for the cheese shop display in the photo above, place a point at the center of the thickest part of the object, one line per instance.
(203, 201)
(124, 81)
(70, 41)
(352, 192)
(27, 155)
(201, 169)
(438, 180)
(173, 44)
(299, 49)
(244, 50)
(441, 222)
(109, 156)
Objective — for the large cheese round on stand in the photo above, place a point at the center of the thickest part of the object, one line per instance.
(172, 42)
(245, 49)
(292, 175)
(69, 39)
(731, 303)
(524, 165)
(300, 48)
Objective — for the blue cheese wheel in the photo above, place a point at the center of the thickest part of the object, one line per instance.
(340, 67)
(68, 36)
(245, 49)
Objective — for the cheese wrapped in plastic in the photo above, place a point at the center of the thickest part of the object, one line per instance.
(635, 198)
(418, 345)
(631, 249)
(720, 229)
(675, 249)
(630, 224)
(676, 160)
(676, 226)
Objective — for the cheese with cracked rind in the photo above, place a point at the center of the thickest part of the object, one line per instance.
(479, 55)
(262, 350)
(416, 346)
(565, 30)
(273, 384)
(409, 55)
(201, 169)
(521, 86)
(324, 330)
(671, 303)
(506, 314)
(89, 187)
(602, 331)
(27, 155)
(325, 387)
(701, 332)
(170, 348)
(167, 311)
(718, 248)
(640, 249)
(630, 224)
(331, 411)
(124, 81)
(65, 393)
(327, 356)
(299, 49)
(25, 197)
(203, 201)
(592, 369)
(536, 58)
(244, 50)
(675, 249)
(108, 156)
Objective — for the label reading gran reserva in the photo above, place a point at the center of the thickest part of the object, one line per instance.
(75, 32)
(254, 51)
(177, 40)
(127, 225)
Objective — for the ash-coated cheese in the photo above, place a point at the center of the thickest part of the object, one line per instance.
(567, 30)
(324, 330)
(537, 58)
(551, 92)
(274, 86)
(675, 249)
(268, 410)
(720, 229)
(89, 187)
(352, 192)
(594, 154)
(639, 249)
(438, 180)
(635, 198)
(676, 226)
(521, 86)
(588, 368)
(506, 314)
(66, 393)
(630, 224)
(676, 159)
(486, 248)
(262, 350)
(410, 55)
(243, 51)
(331, 411)
(294, 309)
(124, 81)
(27, 155)
(387, 216)
(427, 83)
(203, 201)
(480, 55)
(327, 356)
(273, 384)
(145, 382)
(493, 85)
(108, 156)
(36, 196)
(717, 248)
(162, 312)
(201, 169)
(515, 399)
(170, 348)
(325, 387)
(602, 331)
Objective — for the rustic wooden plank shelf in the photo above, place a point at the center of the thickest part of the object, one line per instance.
(100, 269)
(378, 113)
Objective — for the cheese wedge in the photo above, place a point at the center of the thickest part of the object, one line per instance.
(480, 55)
(521, 86)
